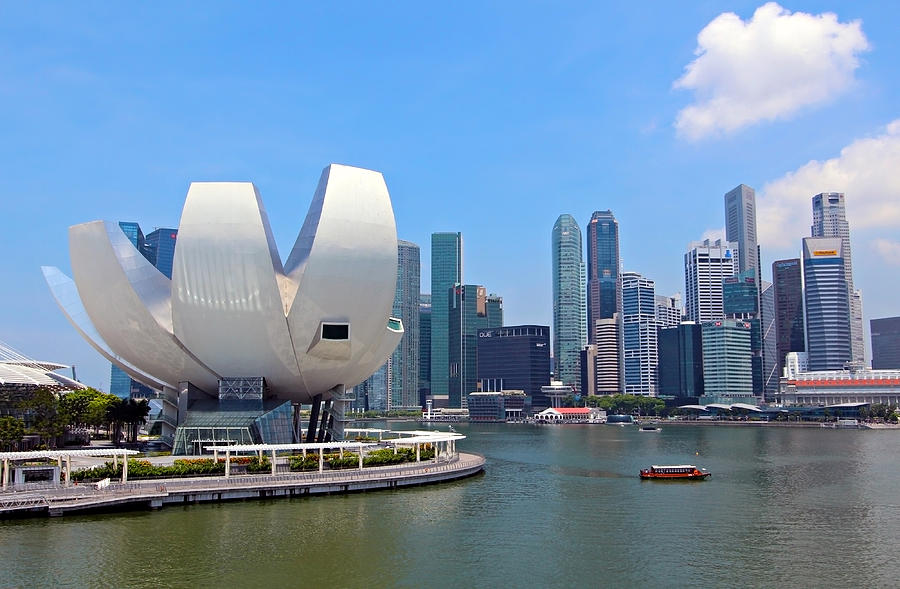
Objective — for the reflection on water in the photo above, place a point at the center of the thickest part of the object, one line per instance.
(558, 506)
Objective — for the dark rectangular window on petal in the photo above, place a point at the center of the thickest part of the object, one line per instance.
(339, 331)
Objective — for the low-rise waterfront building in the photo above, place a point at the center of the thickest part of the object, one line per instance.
(495, 406)
(834, 387)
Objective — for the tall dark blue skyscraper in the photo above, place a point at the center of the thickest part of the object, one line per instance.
(604, 293)
(515, 357)
(789, 329)
(161, 249)
(886, 343)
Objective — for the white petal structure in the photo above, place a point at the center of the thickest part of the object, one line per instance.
(231, 309)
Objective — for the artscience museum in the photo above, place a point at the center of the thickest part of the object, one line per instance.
(236, 340)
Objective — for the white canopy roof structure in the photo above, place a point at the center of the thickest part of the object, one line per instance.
(283, 447)
(37, 454)
(19, 370)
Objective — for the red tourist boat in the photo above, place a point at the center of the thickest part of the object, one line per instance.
(678, 471)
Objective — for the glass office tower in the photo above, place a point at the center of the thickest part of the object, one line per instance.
(161, 249)
(470, 309)
(569, 303)
(827, 306)
(446, 272)
(603, 268)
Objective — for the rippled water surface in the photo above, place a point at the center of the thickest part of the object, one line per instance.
(558, 506)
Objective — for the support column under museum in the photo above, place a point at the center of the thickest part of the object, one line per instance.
(340, 412)
(313, 418)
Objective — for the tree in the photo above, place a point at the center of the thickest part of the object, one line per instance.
(42, 410)
(11, 431)
(116, 418)
(76, 406)
(135, 414)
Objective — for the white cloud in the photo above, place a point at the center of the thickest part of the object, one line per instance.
(766, 68)
(866, 171)
(888, 250)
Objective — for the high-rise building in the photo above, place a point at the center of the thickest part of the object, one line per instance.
(706, 264)
(740, 300)
(830, 220)
(827, 307)
(727, 367)
(569, 303)
(639, 334)
(161, 249)
(771, 369)
(885, 343)
(740, 226)
(787, 277)
(405, 359)
(603, 261)
(680, 360)
(515, 357)
(424, 347)
(668, 310)
(601, 365)
(446, 272)
(372, 393)
(470, 309)
(120, 384)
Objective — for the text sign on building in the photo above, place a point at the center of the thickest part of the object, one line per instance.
(825, 252)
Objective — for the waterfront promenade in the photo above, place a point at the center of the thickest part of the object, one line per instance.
(157, 493)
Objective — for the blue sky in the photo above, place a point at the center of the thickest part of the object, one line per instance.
(490, 119)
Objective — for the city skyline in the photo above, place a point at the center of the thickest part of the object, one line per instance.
(480, 118)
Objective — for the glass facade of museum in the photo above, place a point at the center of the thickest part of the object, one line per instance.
(207, 425)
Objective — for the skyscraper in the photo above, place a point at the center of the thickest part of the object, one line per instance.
(405, 359)
(706, 264)
(681, 360)
(789, 329)
(885, 343)
(446, 272)
(740, 226)
(830, 220)
(740, 300)
(424, 347)
(603, 261)
(569, 304)
(600, 368)
(639, 331)
(515, 357)
(727, 371)
(827, 307)
(771, 370)
(668, 310)
(161, 249)
(470, 309)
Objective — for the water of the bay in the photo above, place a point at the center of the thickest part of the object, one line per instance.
(558, 506)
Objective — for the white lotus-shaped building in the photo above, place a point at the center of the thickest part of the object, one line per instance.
(311, 327)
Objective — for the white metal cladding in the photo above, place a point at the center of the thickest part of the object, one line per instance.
(66, 295)
(116, 306)
(231, 309)
(345, 263)
(227, 305)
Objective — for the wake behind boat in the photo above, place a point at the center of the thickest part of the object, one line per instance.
(678, 471)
